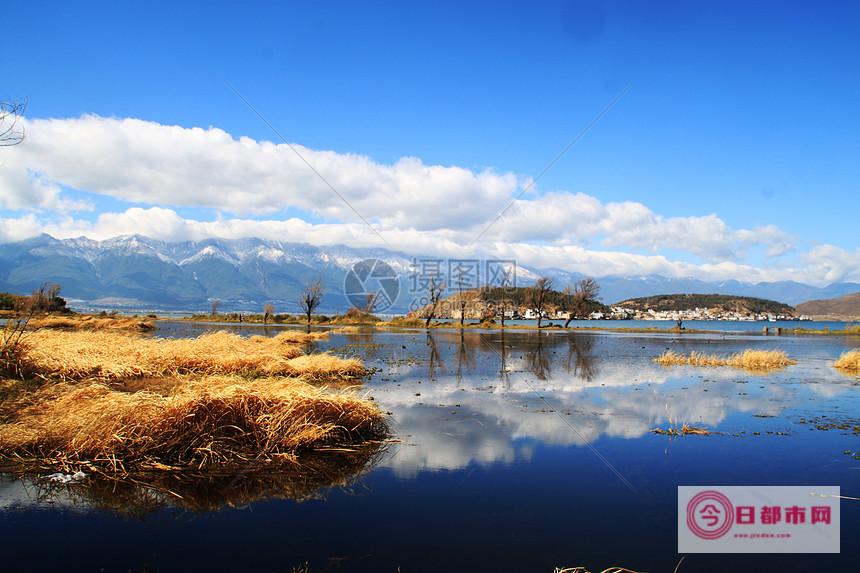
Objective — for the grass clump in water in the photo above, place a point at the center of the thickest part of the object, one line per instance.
(755, 360)
(214, 421)
(849, 362)
(112, 403)
(684, 430)
(106, 356)
(93, 322)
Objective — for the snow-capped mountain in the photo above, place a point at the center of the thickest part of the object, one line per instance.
(140, 272)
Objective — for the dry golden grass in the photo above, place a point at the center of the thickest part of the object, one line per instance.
(214, 421)
(108, 355)
(849, 362)
(90, 322)
(345, 330)
(756, 360)
(114, 402)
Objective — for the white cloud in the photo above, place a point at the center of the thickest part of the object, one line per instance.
(146, 162)
(833, 264)
(418, 208)
(566, 217)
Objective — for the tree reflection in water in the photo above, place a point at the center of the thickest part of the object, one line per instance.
(466, 354)
(580, 357)
(434, 362)
(536, 359)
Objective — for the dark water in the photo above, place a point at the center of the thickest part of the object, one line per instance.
(496, 466)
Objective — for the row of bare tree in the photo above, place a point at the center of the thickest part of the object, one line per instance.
(577, 299)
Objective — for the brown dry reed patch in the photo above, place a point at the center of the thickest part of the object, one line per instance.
(90, 322)
(684, 430)
(213, 422)
(109, 355)
(849, 362)
(754, 360)
(346, 330)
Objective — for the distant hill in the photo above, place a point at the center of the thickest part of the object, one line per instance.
(720, 302)
(845, 307)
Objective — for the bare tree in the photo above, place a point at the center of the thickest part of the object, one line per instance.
(434, 293)
(213, 306)
(579, 297)
(370, 302)
(310, 299)
(268, 312)
(47, 298)
(503, 305)
(501, 300)
(538, 295)
(10, 132)
(462, 304)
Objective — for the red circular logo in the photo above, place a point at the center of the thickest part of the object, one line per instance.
(710, 514)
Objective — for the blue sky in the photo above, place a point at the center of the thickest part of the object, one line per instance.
(748, 111)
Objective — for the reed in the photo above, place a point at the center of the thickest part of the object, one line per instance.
(755, 360)
(849, 362)
(213, 421)
(109, 355)
(91, 322)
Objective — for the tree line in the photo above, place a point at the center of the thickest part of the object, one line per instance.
(45, 299)
(579, 300)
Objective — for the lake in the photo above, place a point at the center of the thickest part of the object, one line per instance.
(512, 451)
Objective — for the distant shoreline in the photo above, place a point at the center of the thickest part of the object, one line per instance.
(514, 326)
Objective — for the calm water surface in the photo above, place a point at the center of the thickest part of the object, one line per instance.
(490, 470)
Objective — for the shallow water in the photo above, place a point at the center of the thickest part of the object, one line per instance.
(755, 326)
(514, 452)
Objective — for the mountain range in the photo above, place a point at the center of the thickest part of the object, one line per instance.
(137, 272)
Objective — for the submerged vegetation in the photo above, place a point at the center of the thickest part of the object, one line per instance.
(683, 430)
(202, 491)
(113, 403)
(755, 360)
